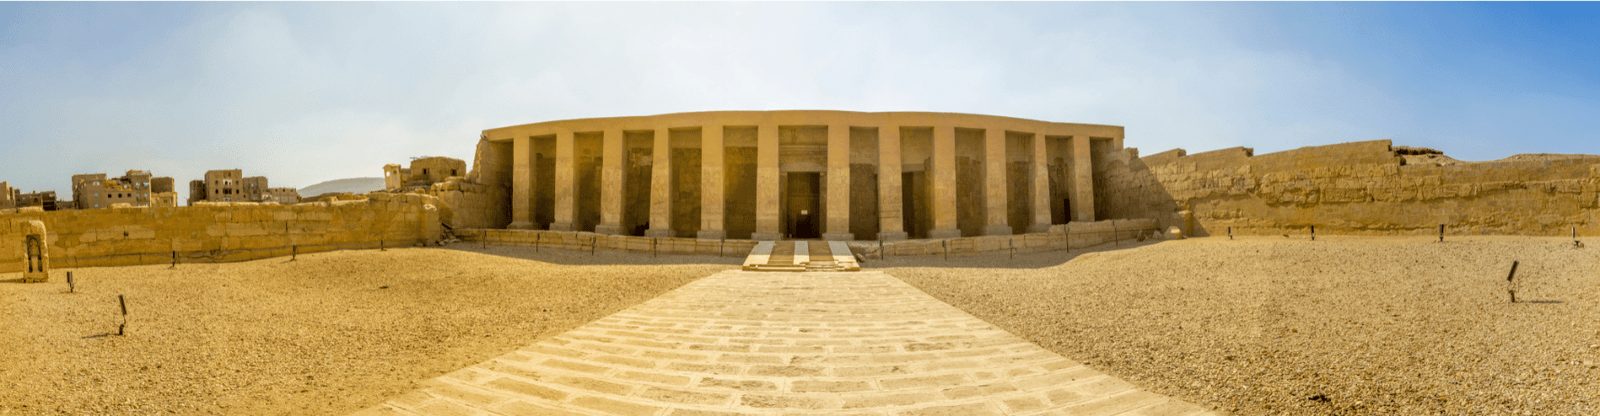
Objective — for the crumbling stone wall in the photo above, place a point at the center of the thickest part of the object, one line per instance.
(480, 199)
(221, 231)
(1361, 187)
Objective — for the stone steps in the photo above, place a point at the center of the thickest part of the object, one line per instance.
(801, 256)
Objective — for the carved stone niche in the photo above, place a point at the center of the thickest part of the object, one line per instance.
(36, 250)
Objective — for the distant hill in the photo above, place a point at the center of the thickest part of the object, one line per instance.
(352, 185)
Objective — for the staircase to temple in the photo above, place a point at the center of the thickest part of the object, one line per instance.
(801, 256)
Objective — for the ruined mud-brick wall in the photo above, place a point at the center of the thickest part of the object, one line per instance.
(212, 232)
(1360, 187)
(480, 199)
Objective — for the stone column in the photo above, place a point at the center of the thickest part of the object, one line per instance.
(994, 168)
(1082, 180)
(1039, 174)
(891, 221)
(838, 209)
(661, 185)
(712, 226)
(566, 193)
(611, 174)
(521, 184)
(767, 184)
(943, 173)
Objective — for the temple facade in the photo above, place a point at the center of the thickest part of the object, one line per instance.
(771, 175)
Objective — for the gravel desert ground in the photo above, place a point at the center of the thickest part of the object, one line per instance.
(1340, 325)
(329, 333)
(1255, 326)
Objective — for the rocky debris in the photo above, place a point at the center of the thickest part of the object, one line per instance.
(447, 235)
(1415, 151)
(1424, 156)
(1427, 156)
(1339, 326)
(328, 333)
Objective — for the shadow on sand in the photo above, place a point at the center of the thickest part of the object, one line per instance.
(1003, 259)
(998, 259)
(597, 258)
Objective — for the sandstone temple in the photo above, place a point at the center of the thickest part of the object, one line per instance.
(800, 174)
(909, 183)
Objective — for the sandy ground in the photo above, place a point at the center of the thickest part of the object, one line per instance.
(327, 334)
(1271, 325)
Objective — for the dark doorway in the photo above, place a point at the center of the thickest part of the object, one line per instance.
(1066, 210)
(910, 198)
(804, 205)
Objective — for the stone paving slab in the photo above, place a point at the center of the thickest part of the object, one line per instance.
(761, 343)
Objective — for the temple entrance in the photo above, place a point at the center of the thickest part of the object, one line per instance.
(804, 205)
(1066, 211)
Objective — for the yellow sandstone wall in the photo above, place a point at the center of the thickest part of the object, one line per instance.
(1350, 188)
(482, 198)
(212, 232)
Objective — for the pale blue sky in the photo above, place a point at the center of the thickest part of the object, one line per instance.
(307, 92)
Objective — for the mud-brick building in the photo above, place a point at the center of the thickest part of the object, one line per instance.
(136, 188)
(769, 175)
(229, 185)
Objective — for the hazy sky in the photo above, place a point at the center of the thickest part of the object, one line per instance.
(307, 92)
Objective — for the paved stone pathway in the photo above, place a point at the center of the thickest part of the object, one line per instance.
(763, 343)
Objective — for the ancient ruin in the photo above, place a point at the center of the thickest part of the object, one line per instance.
(793, 174)
(1023, 280)
(34, 252)
(847, 176)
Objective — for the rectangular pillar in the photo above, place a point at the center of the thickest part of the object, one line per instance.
(943, 174)
(611, 174)
(838, 209)
(1082, 180)
(1039, 172)
(521, 184)
(661, 185)
(994, 187)
(712, 184)
(565, 192)
(891, 221)
(767, 184)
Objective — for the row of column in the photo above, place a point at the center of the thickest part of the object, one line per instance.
(768, 175)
